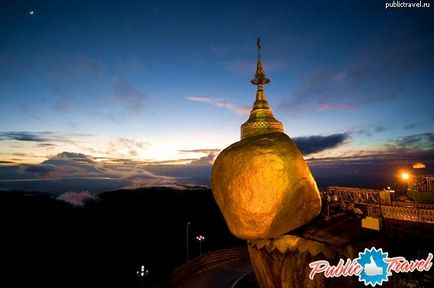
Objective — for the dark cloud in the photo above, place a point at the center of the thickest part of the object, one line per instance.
(376, 71)
(131, 95)
(368, 131)
(365, 132)
(412, 126)
(324, 90)
(26, 136)
(32, 112)
(314, 144)
(46, 145)
(389, 154)
(424, 140)
(81, 78)
(41, 170)
(376, 169)
(43, 139)
(379, 129)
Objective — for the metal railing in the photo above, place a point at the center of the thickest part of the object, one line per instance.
(376, 207)
(413, 214)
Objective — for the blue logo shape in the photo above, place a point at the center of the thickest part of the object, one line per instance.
(374, 268)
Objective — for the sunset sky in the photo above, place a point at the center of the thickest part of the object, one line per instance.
(121, 91)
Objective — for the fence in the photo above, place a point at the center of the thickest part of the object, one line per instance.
(377, 205)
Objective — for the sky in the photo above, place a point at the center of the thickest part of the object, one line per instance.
(101, 95)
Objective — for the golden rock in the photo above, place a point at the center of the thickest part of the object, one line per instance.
(264, 187)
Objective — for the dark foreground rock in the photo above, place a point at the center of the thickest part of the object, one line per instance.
(284, 261)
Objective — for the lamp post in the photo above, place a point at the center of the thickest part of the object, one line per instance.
(405, 177)
(200, 238)
(186, 240)
(142, 273)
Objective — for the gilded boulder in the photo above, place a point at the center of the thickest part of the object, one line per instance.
(263, 187)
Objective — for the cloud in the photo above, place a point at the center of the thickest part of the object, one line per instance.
(206, 151)
(50, 142)
(374, 168)
(377, 169)
(327, 89)
(70, 157)
(74, 81)
(412, 126)
(69, 171)
(132, 96)
(315, 144)
(330, 106)
(211, 154)
(26, 136)
(369, 131)
(221, 104)
(41, 170)
(417, 147)
(131, 145)
(43, 139)
(64, 165)
(376, 71)
(76, 198)
(422, 141)
(379, 129)
(46, 145)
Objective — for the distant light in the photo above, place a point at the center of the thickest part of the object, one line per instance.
(31, 12)
(419, 165)
(405, 176)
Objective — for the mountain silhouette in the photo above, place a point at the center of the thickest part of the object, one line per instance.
(50, 243)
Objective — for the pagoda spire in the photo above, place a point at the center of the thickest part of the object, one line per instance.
(261, 120)
(260, 78)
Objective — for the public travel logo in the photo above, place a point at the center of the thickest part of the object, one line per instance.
(373, 266)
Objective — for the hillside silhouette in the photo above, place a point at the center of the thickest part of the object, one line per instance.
(51, 243)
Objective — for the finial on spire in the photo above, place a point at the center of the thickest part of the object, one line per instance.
(258, 44)
(260, 78)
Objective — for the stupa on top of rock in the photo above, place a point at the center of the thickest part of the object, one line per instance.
(261, 120)
(261, 183)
